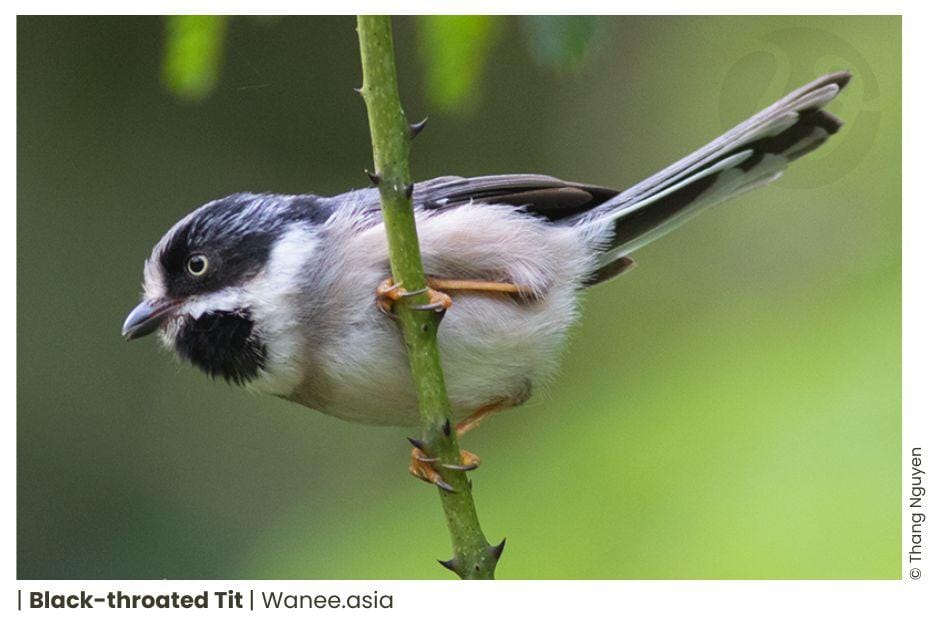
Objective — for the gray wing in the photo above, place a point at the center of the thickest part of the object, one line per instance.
(542, 195)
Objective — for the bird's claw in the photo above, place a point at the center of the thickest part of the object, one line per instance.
(423, 466)
(469, 467)
(438, 302)
(388, 293)
(406, 293)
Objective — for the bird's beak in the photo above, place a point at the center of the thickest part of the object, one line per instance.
(147, 317)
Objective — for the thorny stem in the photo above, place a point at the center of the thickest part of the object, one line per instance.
(474, 557)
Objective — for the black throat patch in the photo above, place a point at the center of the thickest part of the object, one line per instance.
(222, 343)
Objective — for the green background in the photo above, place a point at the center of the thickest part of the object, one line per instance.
(730, 409)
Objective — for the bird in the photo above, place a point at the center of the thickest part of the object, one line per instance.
(290, 295)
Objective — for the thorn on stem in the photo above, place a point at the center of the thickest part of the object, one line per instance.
(497, 550)
(358, 91)
(416, 128)
(375, 179)
(446, 428)
(450, 565)
(418, 443)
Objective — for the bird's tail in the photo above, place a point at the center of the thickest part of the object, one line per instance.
(750, 155)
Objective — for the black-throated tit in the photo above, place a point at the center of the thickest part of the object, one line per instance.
(277, 292)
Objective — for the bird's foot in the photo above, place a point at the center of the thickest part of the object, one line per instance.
(424, 466)
(388, 293)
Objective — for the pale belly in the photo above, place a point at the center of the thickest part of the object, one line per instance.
(493, 347)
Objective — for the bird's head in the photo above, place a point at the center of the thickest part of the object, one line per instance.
(216, 287)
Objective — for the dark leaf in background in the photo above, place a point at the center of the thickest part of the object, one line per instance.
(455, 49)
(194, 49)
(560, 42)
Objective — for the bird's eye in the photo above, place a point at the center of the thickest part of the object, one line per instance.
(197, 264)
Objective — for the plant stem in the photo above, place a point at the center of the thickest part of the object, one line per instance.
(474, 557)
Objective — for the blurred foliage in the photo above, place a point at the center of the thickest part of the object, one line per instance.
(729, 409)
(455, 50)
(560, 42)
(194, 50)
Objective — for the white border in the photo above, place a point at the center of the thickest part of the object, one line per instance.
(723, 601)
(475, 602)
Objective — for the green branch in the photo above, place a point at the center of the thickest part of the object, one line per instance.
(474, 557)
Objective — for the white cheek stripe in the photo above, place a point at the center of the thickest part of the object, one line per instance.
(227, 299)
(273, 296)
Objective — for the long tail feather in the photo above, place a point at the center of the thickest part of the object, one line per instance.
(750, 155)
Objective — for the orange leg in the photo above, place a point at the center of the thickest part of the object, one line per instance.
(423, 466)
(476, 418)
(476, 285)
(388, 292)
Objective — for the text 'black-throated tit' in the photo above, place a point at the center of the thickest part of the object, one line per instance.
(284, 293)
